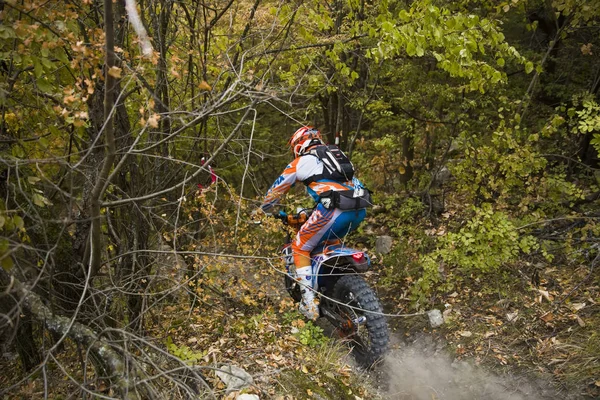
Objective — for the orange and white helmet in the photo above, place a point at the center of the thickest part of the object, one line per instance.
(303, 138)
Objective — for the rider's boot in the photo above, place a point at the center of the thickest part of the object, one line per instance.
(308, 305)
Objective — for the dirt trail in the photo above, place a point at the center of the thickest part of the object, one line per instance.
(423, 370)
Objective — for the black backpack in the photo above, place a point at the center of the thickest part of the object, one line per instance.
(336, 165)
(338, 168)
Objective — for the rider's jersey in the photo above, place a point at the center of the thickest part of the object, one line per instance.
(300, 170)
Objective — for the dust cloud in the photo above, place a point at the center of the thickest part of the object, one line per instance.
(423, 370)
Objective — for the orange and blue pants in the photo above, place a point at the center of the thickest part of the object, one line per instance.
(324, 225)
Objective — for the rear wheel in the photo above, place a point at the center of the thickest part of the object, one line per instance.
(366, 328)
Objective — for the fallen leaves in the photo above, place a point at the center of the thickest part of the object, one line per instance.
(576, 306)
(544, 294)
(441, 231)
(511, 317)
(547, 317)
(503, 360)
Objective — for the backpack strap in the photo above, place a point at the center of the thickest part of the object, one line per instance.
(313, 178)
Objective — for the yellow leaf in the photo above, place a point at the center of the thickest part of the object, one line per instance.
(115, 72)
(304, 369)
(204, 86)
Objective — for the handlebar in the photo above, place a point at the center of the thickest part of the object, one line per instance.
(295, 220)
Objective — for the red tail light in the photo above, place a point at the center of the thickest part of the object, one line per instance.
(358, 256)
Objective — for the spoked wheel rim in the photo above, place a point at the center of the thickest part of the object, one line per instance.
(355, 333)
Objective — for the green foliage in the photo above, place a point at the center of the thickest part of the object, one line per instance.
(290, 316)
(307, 333)
(184, 352)
(12, 230)
(486, 243)
(585, 118)
(403, 219)
(464, 45)
(401, 264)
(501, 165)
(312, 335)
(411, 86)
(410, 210)
(579, 12)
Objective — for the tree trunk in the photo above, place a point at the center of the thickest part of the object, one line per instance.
(26, 346)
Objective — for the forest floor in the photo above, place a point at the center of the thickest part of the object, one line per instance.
(524, 342)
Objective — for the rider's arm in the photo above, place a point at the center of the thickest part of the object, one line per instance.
(281, 186)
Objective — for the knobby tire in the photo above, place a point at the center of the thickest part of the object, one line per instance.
(370, 345)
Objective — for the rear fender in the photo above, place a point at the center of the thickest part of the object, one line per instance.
(336, 260)
(338, 255)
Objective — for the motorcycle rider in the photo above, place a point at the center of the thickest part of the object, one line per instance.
(327, 222)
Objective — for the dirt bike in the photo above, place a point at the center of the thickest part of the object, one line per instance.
(346, 300)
